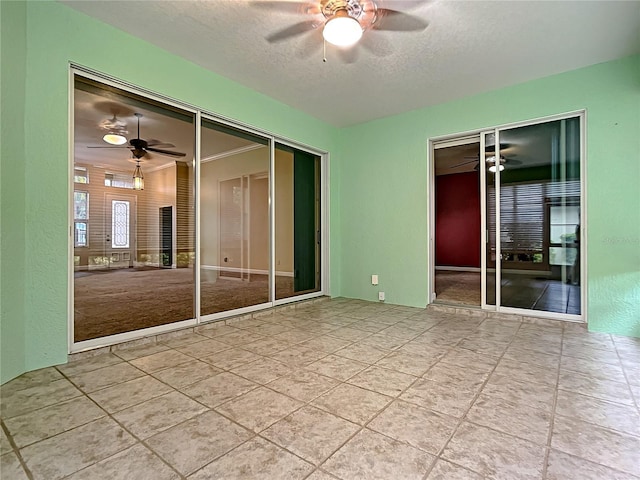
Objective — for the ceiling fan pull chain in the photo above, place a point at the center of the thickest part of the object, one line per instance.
(324, 50)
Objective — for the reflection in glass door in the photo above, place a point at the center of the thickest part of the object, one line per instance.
(297, 222)
(539, 198)
(132, 268)
(487, 178)
(234, 219)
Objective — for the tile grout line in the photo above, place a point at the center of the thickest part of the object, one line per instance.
(475, 398)
(304, 404)
(16, 450)
(553, 411)
(397, 397)
(290, 323)
(122, 426)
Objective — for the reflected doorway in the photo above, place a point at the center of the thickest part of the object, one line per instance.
(457, 274)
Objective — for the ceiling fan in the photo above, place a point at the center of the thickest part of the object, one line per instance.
(490, 158)
(140, 148)
(343, 22)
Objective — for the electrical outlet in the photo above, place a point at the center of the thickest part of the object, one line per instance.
(381, 296)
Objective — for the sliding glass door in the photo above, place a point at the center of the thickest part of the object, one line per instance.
(133, 212)
(234, 219)
(158, 190)
(297, 222)
(533, 217)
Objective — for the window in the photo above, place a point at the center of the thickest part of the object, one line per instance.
(80, 217)
(120, 224)
(564, 223)
(119, 180)
(80, 175)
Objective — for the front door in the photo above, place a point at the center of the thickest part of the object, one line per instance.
(119, 241)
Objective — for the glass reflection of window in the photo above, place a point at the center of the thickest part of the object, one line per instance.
(80, 235)
(120, 224)
(80, 205)
(80, 175)
(80, 215)
(119, 180)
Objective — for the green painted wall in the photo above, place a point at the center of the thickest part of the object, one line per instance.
(56, 35)
(384, 198)
(12, 188)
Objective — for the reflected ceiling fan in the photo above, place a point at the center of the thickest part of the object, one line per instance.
(343, 22)
(140, 148)
(490, 158)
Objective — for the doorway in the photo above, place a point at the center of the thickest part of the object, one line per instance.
(457, 275)
(530, 191)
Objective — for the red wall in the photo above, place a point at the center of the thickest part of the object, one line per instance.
(458, 220)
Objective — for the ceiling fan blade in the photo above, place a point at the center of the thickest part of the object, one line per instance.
(464, 163)
(158, 143)
(405, 4)
(393, 20)
(291, 31)
(166, 152)
(108, 146)
(286, 6)
(310, 45)
(377, 45)
(511, 161)
(348, 55)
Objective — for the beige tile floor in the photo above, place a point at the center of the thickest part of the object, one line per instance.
(339, 389)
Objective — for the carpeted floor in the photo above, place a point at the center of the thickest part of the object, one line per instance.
(116, 301)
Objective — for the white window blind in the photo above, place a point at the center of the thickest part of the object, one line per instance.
(522, 212)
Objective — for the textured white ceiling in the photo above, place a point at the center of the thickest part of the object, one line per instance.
(469, 47)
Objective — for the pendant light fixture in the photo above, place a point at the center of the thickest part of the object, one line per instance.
(138, 178)
(342, 29)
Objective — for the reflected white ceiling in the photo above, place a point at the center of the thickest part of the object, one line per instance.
(469, 47)
(91, 108)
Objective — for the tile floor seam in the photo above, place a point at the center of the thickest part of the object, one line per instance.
(553, 412)
(550, 447)
(252, 436)
(635, 400)
(447, 331)
(15, 450)
(365, 425)
(361, 427)
(475, 398)
(121, 425)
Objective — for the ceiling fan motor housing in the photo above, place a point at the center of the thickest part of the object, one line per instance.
(364, 11)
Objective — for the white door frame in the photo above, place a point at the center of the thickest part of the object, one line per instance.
(462, 138)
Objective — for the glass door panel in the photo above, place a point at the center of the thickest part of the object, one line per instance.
(539, 216)
(297, 222)
(124, 277)
(234, 219)
(489, 178)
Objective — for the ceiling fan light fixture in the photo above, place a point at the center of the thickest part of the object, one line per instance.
(138, 178)
(342, 29)
(114, 138)
(492, 168)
